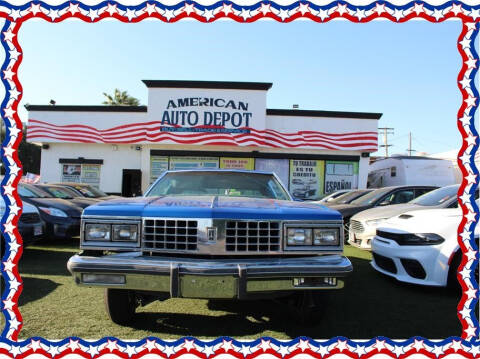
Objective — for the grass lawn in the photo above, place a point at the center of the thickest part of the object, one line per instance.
(371, 304)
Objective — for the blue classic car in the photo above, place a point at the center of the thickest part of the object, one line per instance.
(210, 234)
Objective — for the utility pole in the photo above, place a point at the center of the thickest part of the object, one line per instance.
(386, 131)
(410, 150)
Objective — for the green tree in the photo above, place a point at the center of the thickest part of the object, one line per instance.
(121, 98)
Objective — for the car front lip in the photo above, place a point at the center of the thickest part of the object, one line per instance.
(207, 278)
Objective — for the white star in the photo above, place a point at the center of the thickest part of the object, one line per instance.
(245, 350)
(465, 273)
(112, 9)
(8, 304)
(470, 101)
(14, 284)
(323, 14)
(245, 14)
(465, 43)
(470, 216)
(8, 189)
(465, 158)
(34, 345)
(168, 351)
(92, 14)
(379, 8)
(283, 14)
(398, 14)
(73, 8)
(341, 9)
(14, 131)
(227, 345)
(418, 8)
(131, 350)
(14, 246)
(360, 14)
(14, 169)
(471, 63)
(471, 254)
(437, 350)
(14, 93)
(456, 345)
(169, 14)
(471, 293)
(398, 350)
(93, 350)
(437, 14)
(470, 332)
(9, 227)
(475, 13)
(471, 178)
(189, 345)
(227, 9)
(323, 350)
(73, 345)
(456, 9)
(149, 345)
(303, 8)
(111, 345)
(471, 139)
(35, 8)
(8, 35)
(14, 323)
(283, 350)
(53, 14)
(465, 82)
(14, 54)
(14, 209)
(130, 14)
(208, 350)
(151, 8)
(342, 345)
(265, 345)
(265, 9)
(418, 345)
(8, 74)
(52, 350)
(379, 345)
(471, 26)
(474, 349)
(14, 350)
(15, 14)
(9, 112)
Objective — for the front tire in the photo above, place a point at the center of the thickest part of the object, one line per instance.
(120, 305)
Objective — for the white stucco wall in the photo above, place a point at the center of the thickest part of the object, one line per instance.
(125, 157)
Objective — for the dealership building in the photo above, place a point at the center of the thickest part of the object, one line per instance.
(203, 124)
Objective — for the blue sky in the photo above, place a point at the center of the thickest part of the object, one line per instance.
(405, 71)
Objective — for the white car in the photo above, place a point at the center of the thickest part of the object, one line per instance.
(420, 247)
(363, 225)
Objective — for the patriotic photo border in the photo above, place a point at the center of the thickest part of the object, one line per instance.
(468, 345)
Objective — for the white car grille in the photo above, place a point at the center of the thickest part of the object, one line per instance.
(356, 226)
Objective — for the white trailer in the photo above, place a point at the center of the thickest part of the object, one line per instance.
(411, 170)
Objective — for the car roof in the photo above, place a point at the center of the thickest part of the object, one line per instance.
(221, 170)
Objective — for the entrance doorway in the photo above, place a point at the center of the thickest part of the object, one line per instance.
(131, 183)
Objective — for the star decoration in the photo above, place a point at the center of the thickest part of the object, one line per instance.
(342, 9)
(93, 14)
(8, 304)
(471, 254)
(342, 345)
(9, 228)
(470, 216)
(14, 209)
(130, 14)
(471, 178)
(379, 345)
(283, 350)
(8, 35)
(283, 14)
(14, 323)
(8, 189)
(34, 345)
(111, 345)
(465, 43)
(245, 14)
(15, 14)
(53, 14)
(169, 14)
(265, 9)
(73, 345)
(323, 350)
(112, 9)
(14, 131)
(470, 101)
(14, 350)
(471, 139)
(398, 350)
(73, 8)
(52, 350)
(169, 350)
(475, 13)
(14, 54)
(35, 8)
(437, 14)
(14, 284)
(471, 331)
(360, 14)
(418, 8)
(8, 74)
(227, 345)
(245, 350)
(149, 345)
(456, 345)
(303, 8)
(189, 345)
(208, 14)
(465, 82)
(418, 345)
(323, 14)
(471, 293)
(471, 26)
(227, 9)
(465, 273)
(471, 63)
(9, 112)
(398, 14)
(465, 158)
(189, 8)
(130, 350)
(437, 350)
(14, 246)
(14, 169)
(93, 351)
(380, 8)
(265, 345)
(208, 350)
(456, 9)
(474, 350)
(151, 8)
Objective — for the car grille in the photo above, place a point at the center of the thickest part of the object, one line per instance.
(30, 218)
(252, 236)
(169, 234)
(356, 226)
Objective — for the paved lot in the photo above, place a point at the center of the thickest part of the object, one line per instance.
(369, 305)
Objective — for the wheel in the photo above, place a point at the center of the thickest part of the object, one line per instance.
(452, 280)
(120, 305)
(309, 306)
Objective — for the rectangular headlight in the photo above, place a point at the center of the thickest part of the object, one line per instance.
(125, 232)
(326, 237)
(299, 236)
(97, 232)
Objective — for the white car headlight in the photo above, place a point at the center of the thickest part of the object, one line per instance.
(55, 212)
(375, 222)
(326, 237)
(299, 236)
(125, 232)
(97, 232)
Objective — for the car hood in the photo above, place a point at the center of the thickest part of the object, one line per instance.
(443, 221)
(387, 211)
(62, 204)
(348, 210)
(212, 207)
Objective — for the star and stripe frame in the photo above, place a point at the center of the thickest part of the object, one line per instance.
(468, 345)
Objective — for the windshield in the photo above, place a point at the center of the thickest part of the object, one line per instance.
(371, 197)
(89, 191)
(213, 183)
(59, 192)
(437, 197)
(30, 192)
(350, 196)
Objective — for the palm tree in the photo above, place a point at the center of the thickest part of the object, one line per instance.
(121, 98)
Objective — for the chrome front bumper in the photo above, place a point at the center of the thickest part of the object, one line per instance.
(207, 278)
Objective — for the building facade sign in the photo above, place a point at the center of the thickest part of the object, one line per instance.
(237, 163)
(187, 163)
(306, 178)
(341, 175)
